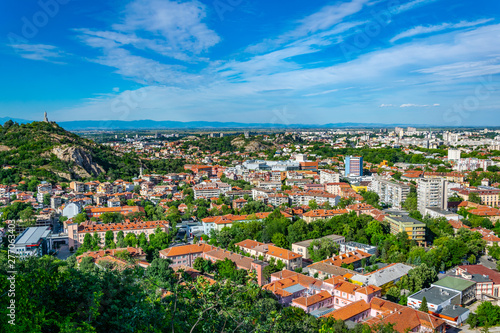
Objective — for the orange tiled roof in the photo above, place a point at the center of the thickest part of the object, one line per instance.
(349, 311)
(325, 212)
(186, 249)
(282, 253)
(313, 299)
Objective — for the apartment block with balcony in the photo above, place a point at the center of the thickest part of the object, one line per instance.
(414, 228)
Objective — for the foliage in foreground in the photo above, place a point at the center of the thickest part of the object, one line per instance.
(54, 296)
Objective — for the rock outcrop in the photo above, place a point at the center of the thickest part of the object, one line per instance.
(82, 160)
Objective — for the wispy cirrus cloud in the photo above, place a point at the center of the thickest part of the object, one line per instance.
(411, 5)
(151, 28)
(420, 30)
(409, 105)
(320, 21)
(42, 52)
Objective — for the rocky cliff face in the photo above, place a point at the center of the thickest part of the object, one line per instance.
(82, 160)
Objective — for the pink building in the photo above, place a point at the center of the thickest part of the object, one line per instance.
(313, 302)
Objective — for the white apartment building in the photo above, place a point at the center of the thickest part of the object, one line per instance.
(390, 192)
(432, 193)
(328, 176)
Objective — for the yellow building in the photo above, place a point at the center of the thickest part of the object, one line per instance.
(359, 188)
(414, 228)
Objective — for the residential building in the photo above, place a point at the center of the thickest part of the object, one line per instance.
(487, 280)
(390, 192)
(355, 246)
(414, 228)
(438, 213)
(403, 319)
(186, 254)
(328, 176)
(303, 198)
(288, 285)
(326, 269)
(303, 247)
(454, 154)
(309, 303)
(466, 288)
(437, 298)
(291, 259)
(384, 277)
(240, 261)
(353, 166)
(433, 193)
(124, 210)
(210, 190)
(77, 232)
(70, 210)
(322, 214)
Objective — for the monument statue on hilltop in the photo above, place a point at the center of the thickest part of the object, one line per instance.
(45, 119)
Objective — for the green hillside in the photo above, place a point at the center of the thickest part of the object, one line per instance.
(47, 151)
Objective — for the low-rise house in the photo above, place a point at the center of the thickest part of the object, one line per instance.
(241, 262)
(384, 277)
(322, 214)
(403, 319)
(437, 298)
(355, 246)
(326, 269)
(303, 247)
(291, 259)
(287, 286)
(466, 288)
(487, 280)
(309, 303)
(353, 258)
(186, 254)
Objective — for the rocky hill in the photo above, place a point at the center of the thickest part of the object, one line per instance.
(47, 151)
(250, 146)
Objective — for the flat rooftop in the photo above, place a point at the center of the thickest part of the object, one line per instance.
(32, 235)
(454, 283)
(405, 219)
(434, 295)
(308, 242)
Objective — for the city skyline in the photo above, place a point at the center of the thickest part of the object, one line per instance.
(430, 62)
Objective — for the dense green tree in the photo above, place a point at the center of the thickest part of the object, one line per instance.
(120, 239)
(280, 240)
(109, 242)
(423, 306)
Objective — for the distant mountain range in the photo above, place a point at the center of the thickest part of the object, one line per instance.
(77, 125)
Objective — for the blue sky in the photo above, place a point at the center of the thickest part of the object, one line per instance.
(373, 61)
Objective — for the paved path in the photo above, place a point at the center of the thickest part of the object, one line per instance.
(63, 252)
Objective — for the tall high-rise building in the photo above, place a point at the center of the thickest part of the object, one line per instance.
(432, 193)
(453, 154)
(353, 166)
(390, 192)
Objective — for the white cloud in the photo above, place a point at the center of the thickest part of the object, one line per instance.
(321, 21)
(417, 105)
(178, 24)
(420, 30)
(410, 5)
(41, 52)
(387, 105)
(460, 70)
(167, 28)
(322, 93)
